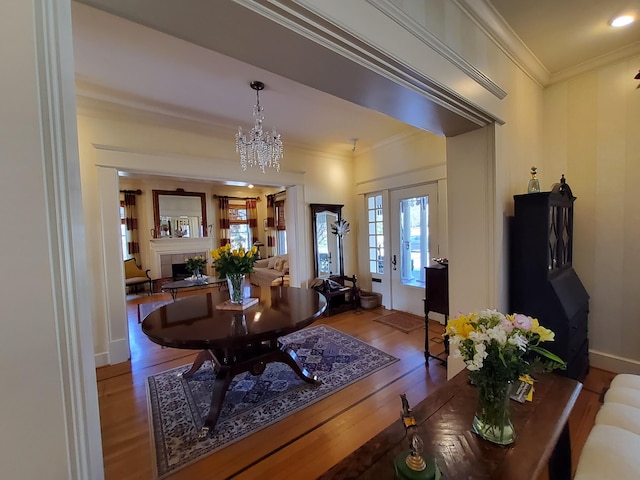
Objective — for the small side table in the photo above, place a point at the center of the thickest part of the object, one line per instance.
(436, 300)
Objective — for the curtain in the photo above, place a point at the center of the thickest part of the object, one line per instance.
(131, 223)
(223, 222)
(252, 216)
(271, 226)
(281, 223)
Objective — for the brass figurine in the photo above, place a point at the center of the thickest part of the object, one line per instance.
(411, 465)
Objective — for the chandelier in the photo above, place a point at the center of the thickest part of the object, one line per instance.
(260, 148)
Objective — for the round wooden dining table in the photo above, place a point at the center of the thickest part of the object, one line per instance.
(236, 341)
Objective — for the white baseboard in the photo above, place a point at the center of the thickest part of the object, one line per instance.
(118, 351)
(101, 359)
(613, 363)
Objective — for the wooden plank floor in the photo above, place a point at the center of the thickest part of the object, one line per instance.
(306, 443)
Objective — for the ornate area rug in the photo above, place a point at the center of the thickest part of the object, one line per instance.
(405, 322)
(178, 406)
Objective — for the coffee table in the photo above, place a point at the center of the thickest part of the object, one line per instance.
(173, 287)
(236, 341)
(444, 423)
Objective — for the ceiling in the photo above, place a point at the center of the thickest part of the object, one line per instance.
(181, 78)
(563, 34)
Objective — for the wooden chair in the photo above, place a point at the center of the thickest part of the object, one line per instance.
(135, 276)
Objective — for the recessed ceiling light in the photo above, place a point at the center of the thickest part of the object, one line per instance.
(622, 21)
(250, 185)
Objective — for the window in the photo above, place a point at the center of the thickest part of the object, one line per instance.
(281, 228)
(376, 237)
(123, 232)
(239, 231)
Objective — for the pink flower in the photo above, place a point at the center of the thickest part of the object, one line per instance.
(522, 322)
(506, 325)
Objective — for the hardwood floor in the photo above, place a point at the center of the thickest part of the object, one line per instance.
(308, 442)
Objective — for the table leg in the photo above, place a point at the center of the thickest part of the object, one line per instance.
(427, 354)
(202, 357)
(220, 387)
(560, 461)
(288, 356)
(255, 365)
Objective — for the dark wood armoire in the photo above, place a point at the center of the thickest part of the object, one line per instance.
(542, 281)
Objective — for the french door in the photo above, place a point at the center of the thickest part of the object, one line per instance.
(414, 240)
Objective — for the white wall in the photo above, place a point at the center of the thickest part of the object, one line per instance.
(592, 136)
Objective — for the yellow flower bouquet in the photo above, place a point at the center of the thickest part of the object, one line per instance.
(497, 350)
(234, 264)
(237, 260)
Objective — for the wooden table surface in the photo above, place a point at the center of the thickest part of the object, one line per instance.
(444, 420)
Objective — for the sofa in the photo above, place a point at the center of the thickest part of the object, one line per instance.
(269, 270)
(612, 448)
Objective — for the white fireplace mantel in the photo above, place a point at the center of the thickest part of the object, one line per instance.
(162, 246)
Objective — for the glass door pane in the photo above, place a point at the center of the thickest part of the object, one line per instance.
(414, 239)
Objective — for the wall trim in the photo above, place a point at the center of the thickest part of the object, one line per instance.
(101, 359)
(201, 168)
(307, 21)
(430, 40)
(119, 349)
(94, 103)
(409, 178)
(71, 313)
(484, 15)
(613, 363)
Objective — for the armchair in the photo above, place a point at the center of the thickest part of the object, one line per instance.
(135, 276)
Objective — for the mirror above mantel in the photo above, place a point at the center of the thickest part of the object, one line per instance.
(179, 214)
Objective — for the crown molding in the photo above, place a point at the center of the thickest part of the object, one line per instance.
(491, 22)
(430, 40)
(485, 16)
(602, 61)
(111, 105)
(306, 21)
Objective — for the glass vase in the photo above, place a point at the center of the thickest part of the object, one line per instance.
(196, 273)
(492, 420)
(235, 283)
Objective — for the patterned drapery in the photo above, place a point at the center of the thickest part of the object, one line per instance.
(271, 225)
(131, 223)
(252, 216)
(223, 222)
(281, 223)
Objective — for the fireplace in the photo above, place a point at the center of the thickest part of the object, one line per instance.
(167, 252)
(179, 271)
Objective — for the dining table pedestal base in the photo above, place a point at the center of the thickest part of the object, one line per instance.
(230, 362)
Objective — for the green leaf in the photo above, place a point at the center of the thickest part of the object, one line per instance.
(546, 353)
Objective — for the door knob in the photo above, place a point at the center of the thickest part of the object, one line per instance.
(393, 262)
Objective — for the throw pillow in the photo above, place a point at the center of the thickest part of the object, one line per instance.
(279, 264)
(285, 268)
(272, 262)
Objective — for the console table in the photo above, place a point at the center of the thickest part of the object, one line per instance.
(444, 423)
